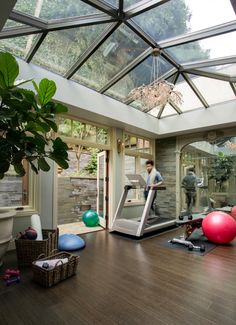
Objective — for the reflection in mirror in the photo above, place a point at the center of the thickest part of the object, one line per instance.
(214, 165)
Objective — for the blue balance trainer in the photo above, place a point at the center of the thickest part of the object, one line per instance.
(70, 242)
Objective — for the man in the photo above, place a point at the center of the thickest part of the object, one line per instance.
(189, 183)
(153, 179)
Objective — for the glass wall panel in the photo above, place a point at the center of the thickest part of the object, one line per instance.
(112, 56)
(54, 9)
(214, 165)
(60, 49)
(129, 168)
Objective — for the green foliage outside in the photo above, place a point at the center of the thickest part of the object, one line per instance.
(91, 168)
(221, 169)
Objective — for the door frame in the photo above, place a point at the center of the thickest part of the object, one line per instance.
(103, 221)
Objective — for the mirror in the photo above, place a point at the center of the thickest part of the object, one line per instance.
(214, 165)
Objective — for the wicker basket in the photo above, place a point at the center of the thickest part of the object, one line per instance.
(28, 251)
(49, 277)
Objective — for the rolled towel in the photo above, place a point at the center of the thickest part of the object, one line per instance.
(36, 225)
(51, 263)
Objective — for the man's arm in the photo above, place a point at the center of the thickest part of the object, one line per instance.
(158, 180)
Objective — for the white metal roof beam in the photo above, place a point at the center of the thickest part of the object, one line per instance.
(141, 7)
(19, 31)
(208, 63)
(140, 32)
(28, 20)
(103, 6)
(207, 74)
(196, 36)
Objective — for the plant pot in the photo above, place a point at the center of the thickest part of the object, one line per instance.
(6, 225)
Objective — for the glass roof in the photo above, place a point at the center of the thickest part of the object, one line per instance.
(107, 46)
(54, 9)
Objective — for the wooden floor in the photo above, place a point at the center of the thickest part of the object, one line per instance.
(120, 281)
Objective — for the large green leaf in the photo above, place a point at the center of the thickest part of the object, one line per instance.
(19, 169)
(51, 123)
(4, 166)
(60, 108)
(2, 81)
(9, 69)
(47, 89)
(59, 160)
(43, 165)
(58, 144)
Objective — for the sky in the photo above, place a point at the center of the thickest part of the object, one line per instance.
(207, 13)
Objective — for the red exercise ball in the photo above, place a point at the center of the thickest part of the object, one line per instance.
(233, 212)
(219, 227)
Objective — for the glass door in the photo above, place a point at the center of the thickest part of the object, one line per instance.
(102, 187)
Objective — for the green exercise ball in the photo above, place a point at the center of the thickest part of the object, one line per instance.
(90, 218)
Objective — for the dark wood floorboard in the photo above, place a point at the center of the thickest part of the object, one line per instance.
(120, 281)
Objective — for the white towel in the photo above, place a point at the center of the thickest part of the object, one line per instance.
(52, 263)
(36, 224)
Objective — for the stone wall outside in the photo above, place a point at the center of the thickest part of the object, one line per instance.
(75, 195)
(11, 191)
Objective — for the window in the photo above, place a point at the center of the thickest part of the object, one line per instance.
(137, 151)
(82, 132)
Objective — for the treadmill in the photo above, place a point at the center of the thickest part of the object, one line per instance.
(139, 224)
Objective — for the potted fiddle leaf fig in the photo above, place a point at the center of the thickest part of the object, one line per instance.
(27, 122)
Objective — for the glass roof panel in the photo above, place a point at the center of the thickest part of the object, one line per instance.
(11, 23)
(113, 55)
(214, 91)
(154, 111)
(114, 3)
(137, 104)
(226, 69)
(139, 76)
(19, 46)
(190, 100)
(211, 48)
(60, 49)
(128, 3)
(54, 9)
(168, 110)
(178, 17)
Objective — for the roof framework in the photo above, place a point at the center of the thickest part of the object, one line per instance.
(107, 46)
